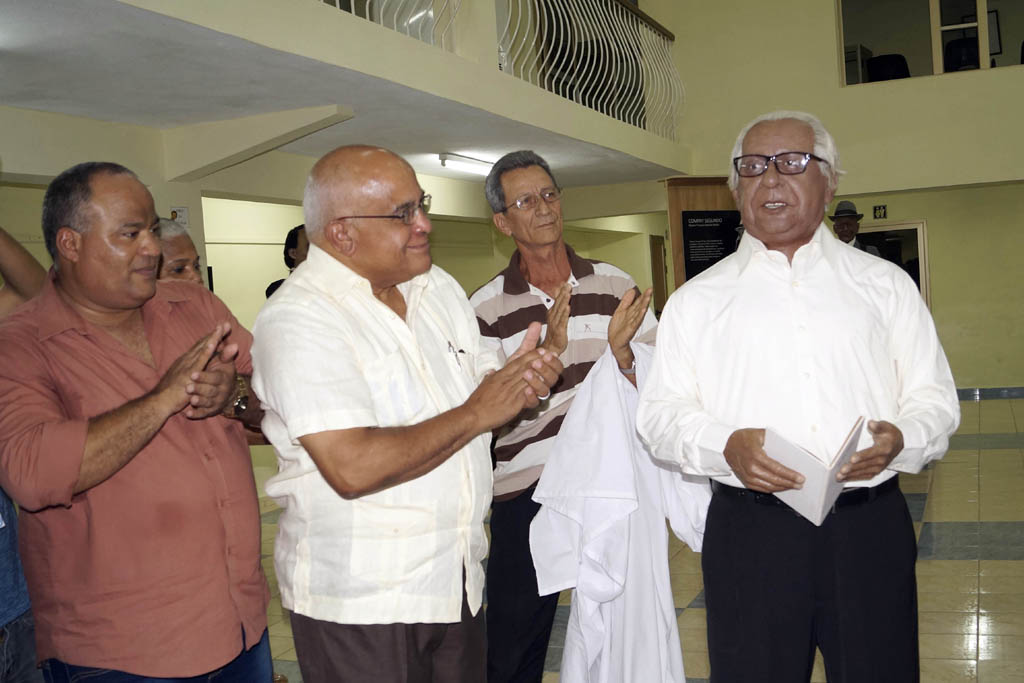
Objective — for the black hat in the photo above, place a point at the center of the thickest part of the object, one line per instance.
(845, 209)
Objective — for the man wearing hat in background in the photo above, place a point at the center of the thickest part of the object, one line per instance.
(846, 222)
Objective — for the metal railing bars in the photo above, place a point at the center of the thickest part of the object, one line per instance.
(429, 21)
(603, 54)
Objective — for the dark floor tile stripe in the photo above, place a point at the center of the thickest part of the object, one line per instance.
(989, 393)
(971, 541)
(915, 502)
(970, 442)
(553, 659)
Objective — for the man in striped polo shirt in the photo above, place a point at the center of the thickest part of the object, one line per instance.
(585, 305)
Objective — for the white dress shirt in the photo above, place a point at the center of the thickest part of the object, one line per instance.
(329, 355)
(601, 529)
(804, 348)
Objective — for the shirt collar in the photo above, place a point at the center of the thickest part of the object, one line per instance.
(822, 241)
(323, 272)
(55, 315)
(515, 283)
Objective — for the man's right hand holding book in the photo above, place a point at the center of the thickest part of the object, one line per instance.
(744, 451)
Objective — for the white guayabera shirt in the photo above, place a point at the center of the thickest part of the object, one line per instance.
(803, 348)
(329, 355)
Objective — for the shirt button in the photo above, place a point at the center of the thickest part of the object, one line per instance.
(814, 428)
(796, 283)
(807, 375)
(802, 328)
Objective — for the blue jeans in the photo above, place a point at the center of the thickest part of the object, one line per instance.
(18, 651)
(252, 666)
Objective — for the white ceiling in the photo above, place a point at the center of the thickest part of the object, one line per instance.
(105, 60)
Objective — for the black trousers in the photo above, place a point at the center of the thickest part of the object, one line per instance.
(518, 620)
(776, 586)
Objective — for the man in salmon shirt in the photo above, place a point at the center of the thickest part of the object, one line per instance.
(121, 410)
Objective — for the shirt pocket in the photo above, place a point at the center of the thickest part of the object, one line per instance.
(396, 392)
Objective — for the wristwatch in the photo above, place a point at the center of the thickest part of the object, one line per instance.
(238, 407)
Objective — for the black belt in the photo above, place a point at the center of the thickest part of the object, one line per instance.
(852, 496)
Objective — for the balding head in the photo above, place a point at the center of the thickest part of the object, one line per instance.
(340, 179)
(354, 202)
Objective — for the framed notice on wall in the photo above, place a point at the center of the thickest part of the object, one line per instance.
(708, 237)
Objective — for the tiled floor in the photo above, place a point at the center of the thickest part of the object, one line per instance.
(969, 514)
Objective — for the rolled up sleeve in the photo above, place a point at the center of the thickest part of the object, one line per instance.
(40, 449)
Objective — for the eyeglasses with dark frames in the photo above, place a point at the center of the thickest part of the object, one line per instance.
(786, 163)
(530, 201)
(407, 213)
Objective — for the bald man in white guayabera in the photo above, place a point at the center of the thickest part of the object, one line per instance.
(380, 399)
(801, 333)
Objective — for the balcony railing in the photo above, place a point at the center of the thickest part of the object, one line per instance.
(602, 54)
(428, 20)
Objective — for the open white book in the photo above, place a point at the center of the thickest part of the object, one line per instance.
(820, 488)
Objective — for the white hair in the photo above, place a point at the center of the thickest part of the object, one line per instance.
(824, 145)
(169, 229)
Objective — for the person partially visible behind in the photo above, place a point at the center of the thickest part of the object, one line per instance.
(296, 246)
(179, 259)
(846, 222)
(23, 278)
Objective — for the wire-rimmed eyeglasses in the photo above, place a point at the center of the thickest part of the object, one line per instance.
(531, 200)
(786, 163)
(407, 213)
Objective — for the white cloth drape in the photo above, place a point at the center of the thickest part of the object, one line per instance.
(601, 529)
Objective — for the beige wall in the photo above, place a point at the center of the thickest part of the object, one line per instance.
(975, 243)
(21, 210)
(245, 244)
(893, 135)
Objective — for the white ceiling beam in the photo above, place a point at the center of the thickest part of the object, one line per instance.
(195, 151)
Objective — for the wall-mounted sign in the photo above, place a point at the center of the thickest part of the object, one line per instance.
(880, 212)
(179, 214)
(708, 237)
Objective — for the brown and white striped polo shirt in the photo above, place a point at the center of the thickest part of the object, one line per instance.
(505, 307)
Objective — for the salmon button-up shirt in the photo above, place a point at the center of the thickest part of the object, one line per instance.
(155, 571)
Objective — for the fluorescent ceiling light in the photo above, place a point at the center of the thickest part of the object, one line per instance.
(457, 162)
